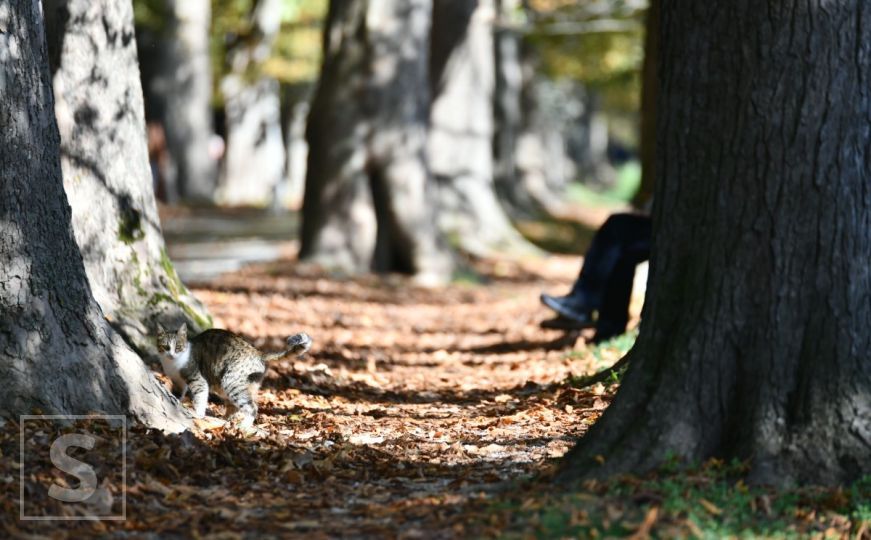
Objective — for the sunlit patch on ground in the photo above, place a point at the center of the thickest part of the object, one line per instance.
(419, 413)
(414, 409)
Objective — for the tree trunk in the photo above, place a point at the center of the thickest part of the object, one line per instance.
(294, 114)
(563, 137)
(254, 163)
(649, 92)
(756, 330)
(183, 88)
(98, 105)
(461, 128)
(547, 133)
(57, 353)
(507, 110)
(368, 203)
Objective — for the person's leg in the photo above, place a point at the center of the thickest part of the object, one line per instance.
(609, 243)
(614, 313)
(617, 233)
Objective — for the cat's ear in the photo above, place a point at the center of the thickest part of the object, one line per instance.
(160, 330)
(183, 330)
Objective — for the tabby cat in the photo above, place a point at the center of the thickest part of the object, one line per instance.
(220, 361)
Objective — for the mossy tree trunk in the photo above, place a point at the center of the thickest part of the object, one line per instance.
(369, 201)
(57, 352)
(757, 326)
(98, 105)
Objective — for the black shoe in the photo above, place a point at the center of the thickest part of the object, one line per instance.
(569, 308)
(563, 323)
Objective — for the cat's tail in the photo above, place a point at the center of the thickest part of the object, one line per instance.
(297, 344)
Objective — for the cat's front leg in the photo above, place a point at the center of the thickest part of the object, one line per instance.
(199, 389)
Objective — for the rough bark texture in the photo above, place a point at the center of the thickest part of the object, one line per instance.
(98, 105)
(461, 128)
(756, 330)
(182, 89)
(57, 353)
(368, 203)
(649, 93)
(253, 167)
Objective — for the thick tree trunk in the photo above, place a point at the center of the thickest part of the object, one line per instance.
(461, 128)
(183, 87)
(98, 105)
(756, 330)
(57, 353)
(368, 203)
(254, 163)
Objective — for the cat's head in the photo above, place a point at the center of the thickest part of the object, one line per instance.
(172, 343)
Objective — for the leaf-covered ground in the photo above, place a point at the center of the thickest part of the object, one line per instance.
(412, 410)
(418, 414)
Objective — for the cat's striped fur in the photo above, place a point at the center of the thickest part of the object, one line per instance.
(223, 363)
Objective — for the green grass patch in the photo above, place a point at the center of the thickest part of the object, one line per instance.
(710, 501)
(625, 187)
(603, 355)
(617, 345)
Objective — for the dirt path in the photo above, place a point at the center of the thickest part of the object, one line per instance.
(414, 411)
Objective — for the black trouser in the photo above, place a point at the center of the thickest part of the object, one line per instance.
(605, 281)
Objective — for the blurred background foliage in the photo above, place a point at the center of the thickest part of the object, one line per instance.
(599, 44)
(296, 53)
(596, 44)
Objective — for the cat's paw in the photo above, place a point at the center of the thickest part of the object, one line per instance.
(244, 423)
(299, 343)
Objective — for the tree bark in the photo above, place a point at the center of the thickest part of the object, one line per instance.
(368, 203)
(182, 86)
(460, 145)
(756, 329)
(57, 353)
(254, 163)
(104, 158)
